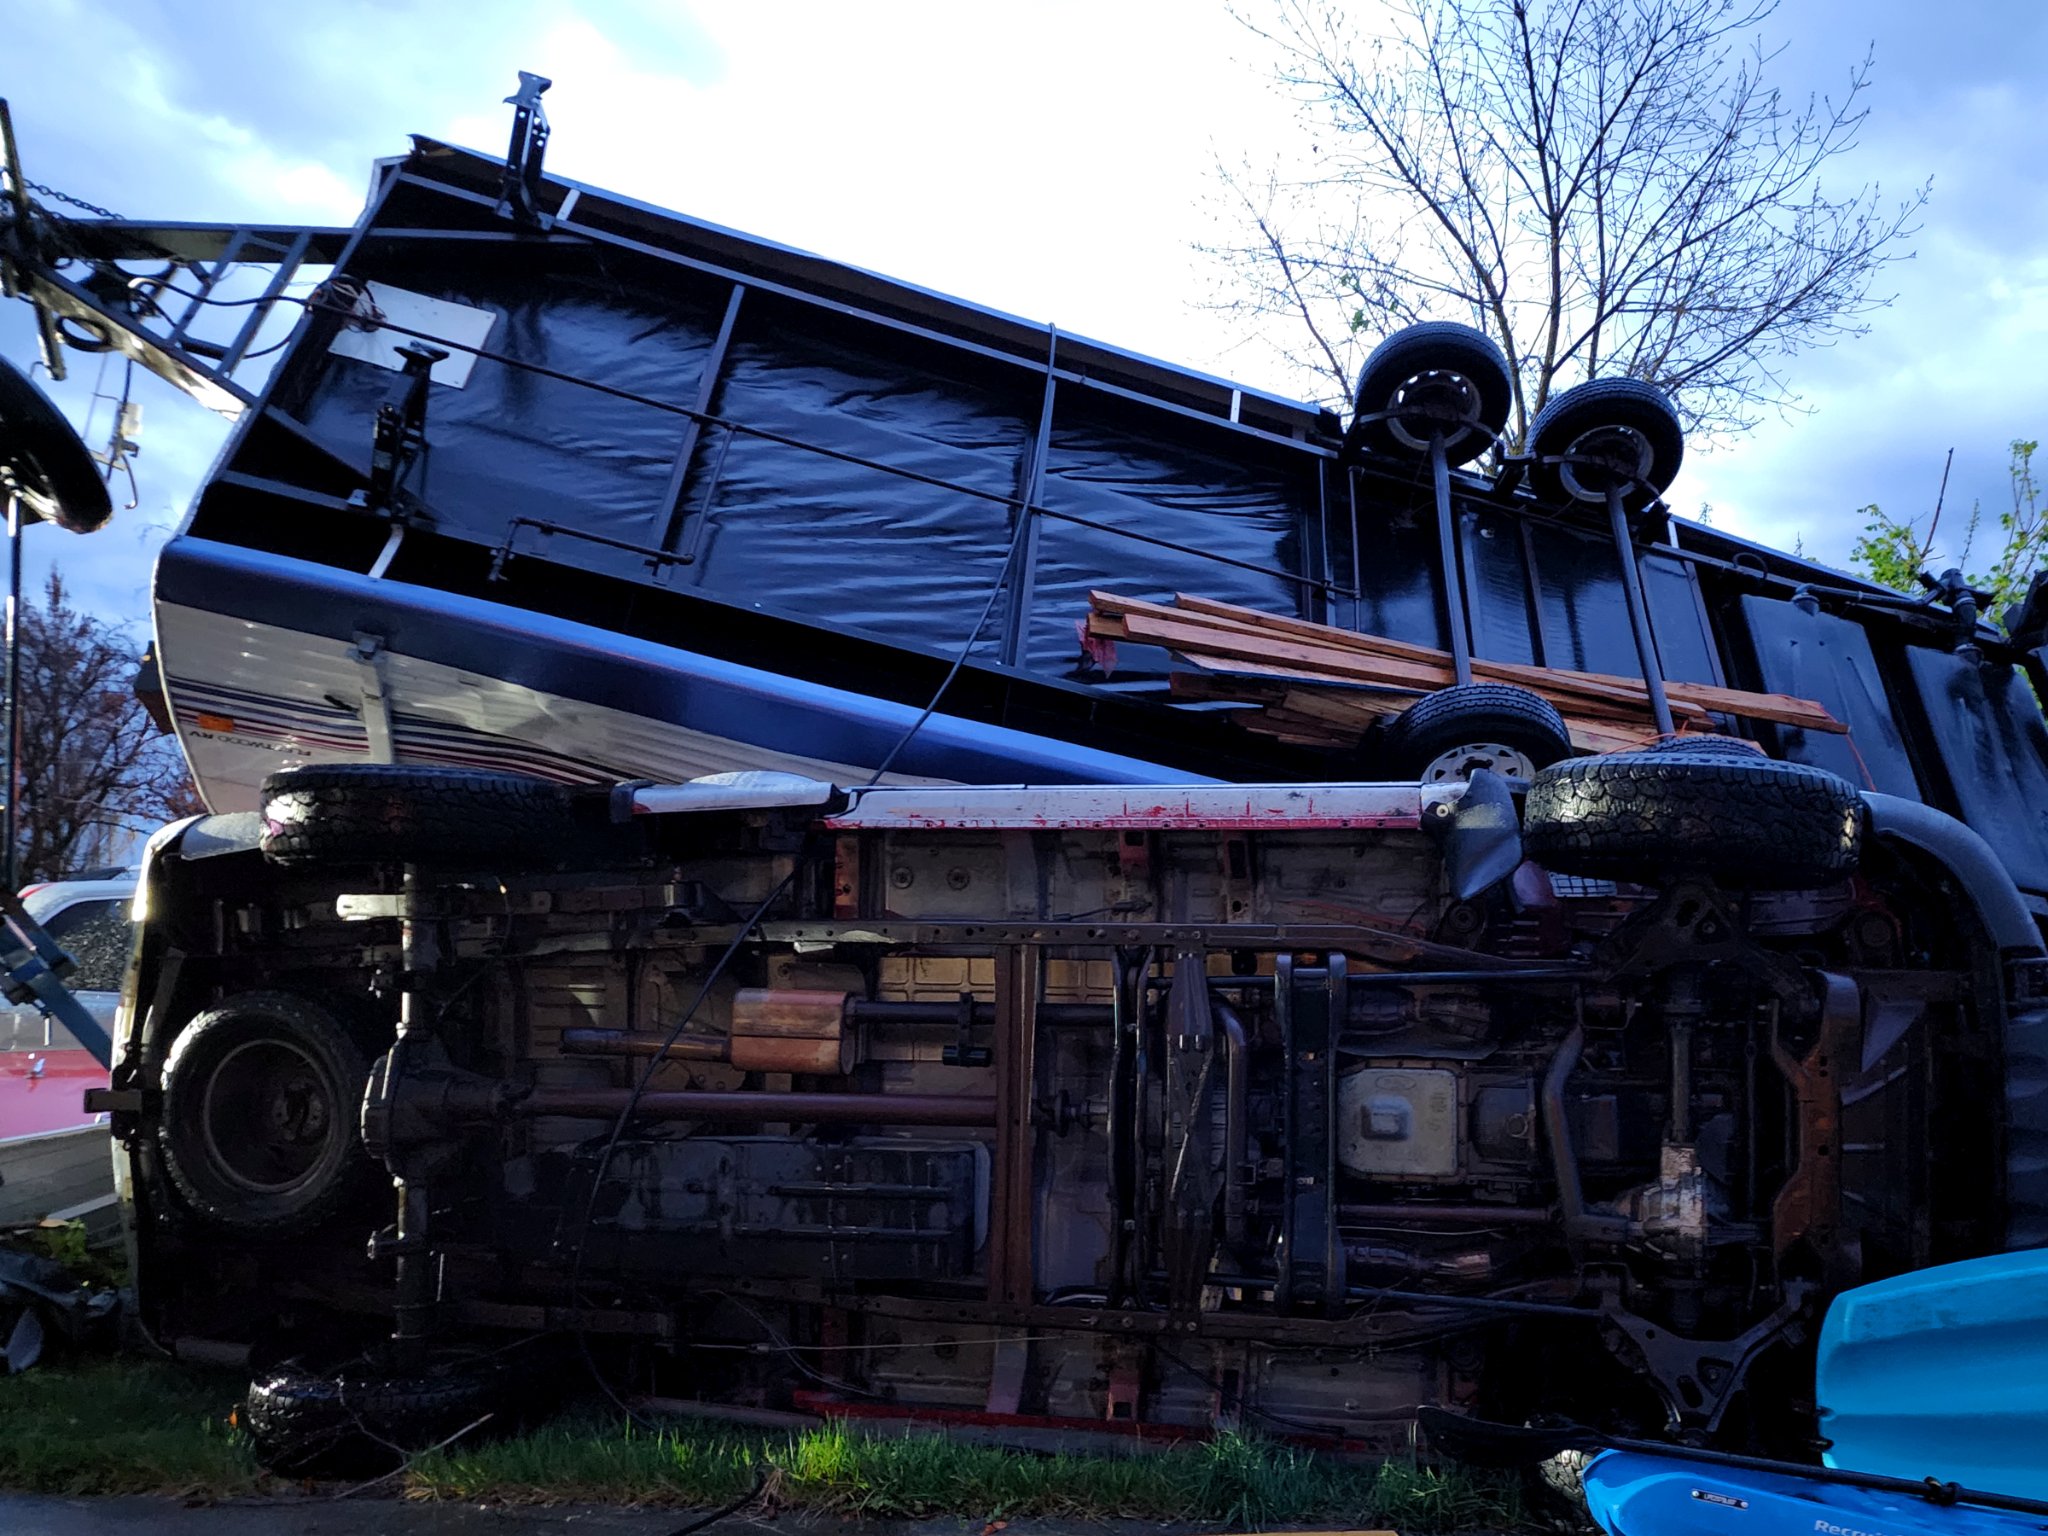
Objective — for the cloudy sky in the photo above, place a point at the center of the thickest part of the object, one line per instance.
(1055, 160)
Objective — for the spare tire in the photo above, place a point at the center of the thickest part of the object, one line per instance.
(1443, 735)
(305, 1422)
(262, 1099)
(1744, 821)
(1436, 378)
(1703, 746)
(368, 813)
(46, 460)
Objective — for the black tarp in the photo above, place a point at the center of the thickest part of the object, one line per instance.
(1988, 731)
(515, 443)
(1826, 658)
(1104, 467)
(808, 533)
(869, 479)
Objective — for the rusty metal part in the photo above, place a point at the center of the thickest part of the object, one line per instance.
(1449, 1215)
(619, 1042)
(1470, 1265)
(784, 1029)
(1050, 1015)
(1809, 1203)
(1670, 1215)
(1580, 1224)
(1378, 945)
(1010, 1211)
(745, 1105)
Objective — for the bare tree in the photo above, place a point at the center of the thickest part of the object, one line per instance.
(95, 771)
(1603, 186)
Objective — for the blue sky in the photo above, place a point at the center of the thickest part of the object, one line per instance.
(1053, 160)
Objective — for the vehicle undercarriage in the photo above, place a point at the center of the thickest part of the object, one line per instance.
(1048, 1103)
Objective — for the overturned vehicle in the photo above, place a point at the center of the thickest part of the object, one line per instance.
(647, 907)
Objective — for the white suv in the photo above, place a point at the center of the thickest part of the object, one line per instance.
(44, 1072)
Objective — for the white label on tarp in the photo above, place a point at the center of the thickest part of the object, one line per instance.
(437, 322)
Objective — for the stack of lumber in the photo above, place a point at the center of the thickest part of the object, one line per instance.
(1313, 685)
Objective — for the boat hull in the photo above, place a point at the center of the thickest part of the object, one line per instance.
(1629, 1493)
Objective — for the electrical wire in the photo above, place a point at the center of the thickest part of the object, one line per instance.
(691, 1527)
(725, 959)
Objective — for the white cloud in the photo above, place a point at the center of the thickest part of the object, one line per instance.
(1053, 160)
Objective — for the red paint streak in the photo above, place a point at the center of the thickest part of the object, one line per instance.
(50, 1100)
(1146, 821)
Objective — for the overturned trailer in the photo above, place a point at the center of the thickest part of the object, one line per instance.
(1210, 1078)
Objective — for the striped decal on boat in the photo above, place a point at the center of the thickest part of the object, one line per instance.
(324, 730)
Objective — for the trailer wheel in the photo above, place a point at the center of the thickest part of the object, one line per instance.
(261, 1100)
(304, 1422)
(366, 813)
(1443, 736)
(1746, 822)
(1435, 377)
(1610, 430)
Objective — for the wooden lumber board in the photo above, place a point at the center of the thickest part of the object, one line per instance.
(1783, 709)
(1304, 661)
(1413, 666)
(1344, 714)
(1248, 635)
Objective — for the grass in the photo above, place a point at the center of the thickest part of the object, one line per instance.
(142, 1427)
(122, 1426)
(1233, 1478)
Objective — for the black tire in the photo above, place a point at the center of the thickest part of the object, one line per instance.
(367, 813)
(1613, 429)
(1746, 823)
(1497, 714)
(50, 466)
(304, 1422)
(261, 1102)
(1437, 376)
(1704, 746)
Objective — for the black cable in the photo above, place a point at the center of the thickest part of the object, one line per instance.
(716, 1515)
(732, 949)
(959, 661)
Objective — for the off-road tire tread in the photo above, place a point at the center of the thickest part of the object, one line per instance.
(304, 1423)
(358, 813)
(1748, 823)
(220, 1204)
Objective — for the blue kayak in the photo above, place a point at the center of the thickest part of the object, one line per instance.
(1629, 1493)
(1943, 1373)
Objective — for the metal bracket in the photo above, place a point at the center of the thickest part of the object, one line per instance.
(368, 655)
(400, 433)
(519, 197)
(36, 967)
(963, 1052)
(1310, 1006)
(1699, 1378)
(1809, 1204)
(1188, 1215)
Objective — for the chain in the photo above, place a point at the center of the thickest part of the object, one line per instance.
(66, 197)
